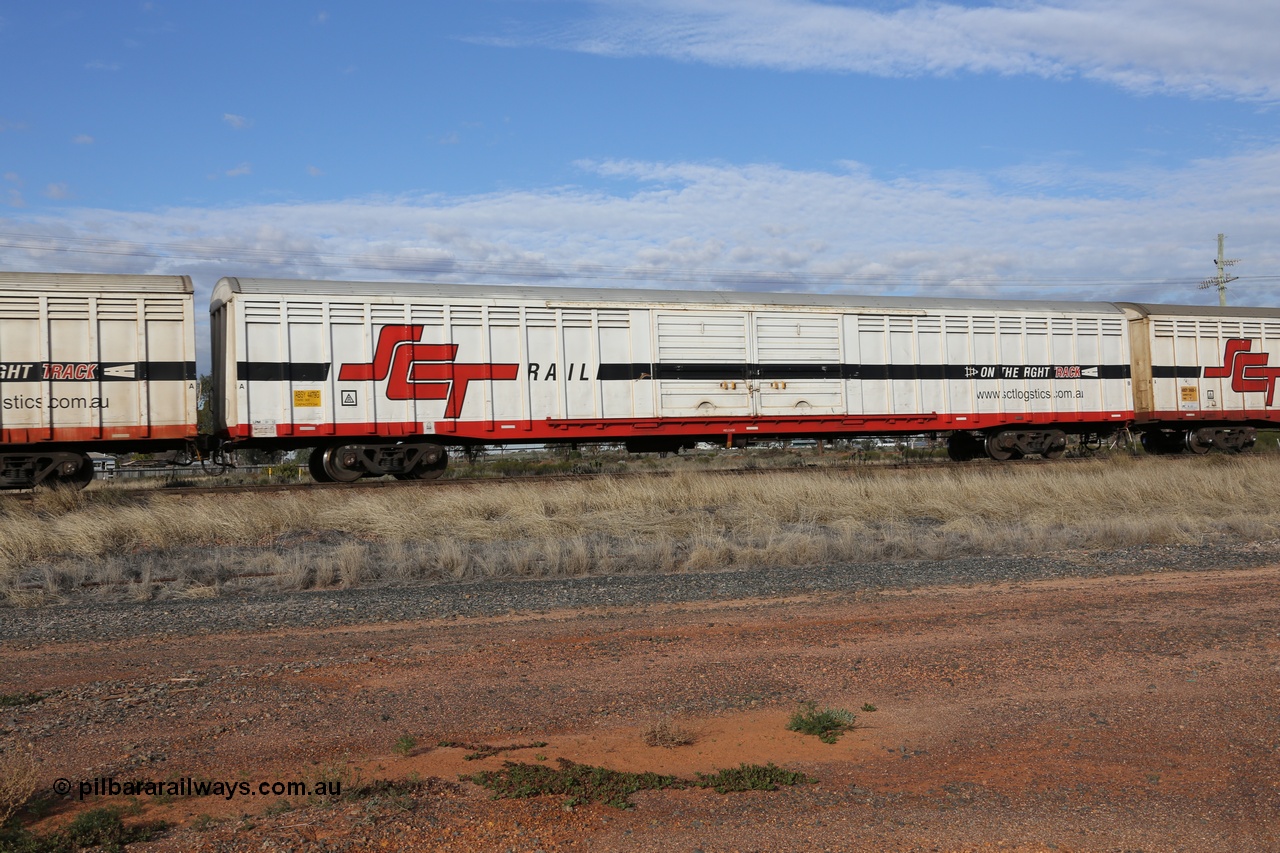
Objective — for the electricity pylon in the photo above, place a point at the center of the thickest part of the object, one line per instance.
(1220, 280)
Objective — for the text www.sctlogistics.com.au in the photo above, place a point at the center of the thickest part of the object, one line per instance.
(109, 786)
(1031, 394)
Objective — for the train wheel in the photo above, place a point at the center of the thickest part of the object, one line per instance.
(1199, 442)
(429, 467)
(315, 466)
(342, 464)
(434, 470)
(1157, 443)
(961, 447)
(1057, 446)
(72, 475)
(996, 452)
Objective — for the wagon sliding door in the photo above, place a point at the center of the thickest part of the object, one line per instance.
(702, 364)
(797, 369)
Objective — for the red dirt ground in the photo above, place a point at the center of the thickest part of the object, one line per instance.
(1125, 713)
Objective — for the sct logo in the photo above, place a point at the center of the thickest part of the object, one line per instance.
(1248, 370)
(416, 371)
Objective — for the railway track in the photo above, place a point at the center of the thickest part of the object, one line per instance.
(115, 495)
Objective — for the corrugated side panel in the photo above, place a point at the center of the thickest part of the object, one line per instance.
(702, 363)
(1214, 368)
(86, 367)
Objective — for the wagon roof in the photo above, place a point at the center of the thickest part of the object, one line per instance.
(1147, 309)
(610, 295)
(95, 282)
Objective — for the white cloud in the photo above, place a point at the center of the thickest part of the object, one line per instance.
(236, 122)
(238, 171)
(315, 171)
(1192, 47)
(1142, 236)
(57, 192)
(13, 195)
(82, 139)
(99, 65)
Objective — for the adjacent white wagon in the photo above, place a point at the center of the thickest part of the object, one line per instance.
(1206, 376)
(101, 362)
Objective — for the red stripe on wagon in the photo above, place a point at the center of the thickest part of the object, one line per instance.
(98, 434)
(620, 428)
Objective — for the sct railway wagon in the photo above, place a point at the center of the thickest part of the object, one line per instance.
(1204, 377)
(92, 362)
(381, 377)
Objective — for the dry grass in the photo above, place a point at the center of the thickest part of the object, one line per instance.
(687, 522)
(18, 779)
(667, 734)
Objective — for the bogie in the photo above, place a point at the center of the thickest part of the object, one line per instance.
(1199, 441)
(1015, 444)
(28, 470)
(346, 463)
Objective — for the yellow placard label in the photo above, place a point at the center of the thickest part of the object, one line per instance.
(306, 399)
(1189, 394)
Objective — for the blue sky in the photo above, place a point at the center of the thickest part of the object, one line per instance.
(1078, 149)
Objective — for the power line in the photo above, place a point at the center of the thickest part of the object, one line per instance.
(445, 265)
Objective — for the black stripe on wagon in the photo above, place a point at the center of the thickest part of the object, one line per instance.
(626, 372)
(796, 371)
(728, 371)
(155, 371)
(905, 371)
(986, 371)
(281, 371)
(699, 371)
(104, 371)
(1167, 372)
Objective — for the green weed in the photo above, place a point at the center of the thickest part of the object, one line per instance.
(751, 777)
(827, 724)
(579, 783)
(100, 829)
(584, 783)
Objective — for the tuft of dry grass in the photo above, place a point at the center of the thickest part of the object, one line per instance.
(690, 521)
(667, 734)
(18, 777)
